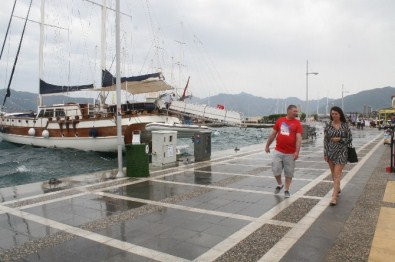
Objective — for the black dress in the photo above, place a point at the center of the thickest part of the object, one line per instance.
(337, 151)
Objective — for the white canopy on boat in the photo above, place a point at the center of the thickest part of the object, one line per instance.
(139, 87)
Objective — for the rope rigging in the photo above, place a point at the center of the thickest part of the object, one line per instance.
(8, 28)
(8, 94)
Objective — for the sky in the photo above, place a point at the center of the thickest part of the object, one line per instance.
(260, 47)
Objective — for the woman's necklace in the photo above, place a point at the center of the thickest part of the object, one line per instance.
(336, 125)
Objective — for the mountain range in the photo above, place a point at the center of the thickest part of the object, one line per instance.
(250, 105)
(247, 104)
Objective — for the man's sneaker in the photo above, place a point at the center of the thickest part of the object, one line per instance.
(287, 194)
(278, 189)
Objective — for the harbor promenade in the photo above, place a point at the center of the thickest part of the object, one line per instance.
(224, 209)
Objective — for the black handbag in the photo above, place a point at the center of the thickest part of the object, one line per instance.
(352, 154)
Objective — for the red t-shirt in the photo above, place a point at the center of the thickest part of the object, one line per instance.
(286, 134)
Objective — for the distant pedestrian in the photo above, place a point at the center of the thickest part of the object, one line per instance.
(337, 136)
(392, 119)
(288, 131)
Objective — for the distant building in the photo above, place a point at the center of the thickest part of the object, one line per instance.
(385, 113)
(253, 119)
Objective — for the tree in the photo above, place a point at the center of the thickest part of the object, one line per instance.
(302, 116)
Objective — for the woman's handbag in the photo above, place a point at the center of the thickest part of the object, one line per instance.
(352, 154)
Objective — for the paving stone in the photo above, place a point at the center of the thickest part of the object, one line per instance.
(320, 190)
(297, 210)
(253, 247)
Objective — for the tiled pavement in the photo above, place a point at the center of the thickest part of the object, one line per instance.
(220, 210)
(383, 245)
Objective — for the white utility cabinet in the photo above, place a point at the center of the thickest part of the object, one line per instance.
(164, 145)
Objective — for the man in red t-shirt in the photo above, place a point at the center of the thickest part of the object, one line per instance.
(289, 137)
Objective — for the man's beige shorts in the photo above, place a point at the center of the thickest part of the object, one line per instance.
(283, 161)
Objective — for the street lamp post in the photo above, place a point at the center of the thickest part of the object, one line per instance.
(343, 92)
(307, 88)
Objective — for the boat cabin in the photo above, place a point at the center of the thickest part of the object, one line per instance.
(71, 110)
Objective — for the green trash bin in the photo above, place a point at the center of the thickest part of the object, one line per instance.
(137, 160)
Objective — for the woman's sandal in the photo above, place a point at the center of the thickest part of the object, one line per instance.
(333, 202)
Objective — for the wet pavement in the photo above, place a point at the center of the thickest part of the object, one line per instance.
(219, 210)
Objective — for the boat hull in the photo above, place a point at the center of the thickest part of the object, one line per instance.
(99, 144)
(88, 135)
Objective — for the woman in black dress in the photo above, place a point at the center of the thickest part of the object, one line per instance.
(337, 136)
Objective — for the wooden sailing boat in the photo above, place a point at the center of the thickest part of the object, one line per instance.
(93, 127)
(90, 127)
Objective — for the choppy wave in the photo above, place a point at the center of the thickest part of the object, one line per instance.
(27, 164)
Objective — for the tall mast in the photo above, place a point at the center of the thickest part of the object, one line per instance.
(103, 35)
(103, 48)
(41, 48)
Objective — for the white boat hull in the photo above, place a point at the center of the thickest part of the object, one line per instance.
(100, 144)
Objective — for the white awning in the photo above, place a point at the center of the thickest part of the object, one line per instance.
(139, 87)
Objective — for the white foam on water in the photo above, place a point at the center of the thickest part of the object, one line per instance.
(22, 169)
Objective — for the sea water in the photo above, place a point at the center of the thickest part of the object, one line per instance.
(22, 164)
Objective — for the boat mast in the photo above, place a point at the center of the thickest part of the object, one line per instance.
(103, 48)
(103, 35)
(41, 48)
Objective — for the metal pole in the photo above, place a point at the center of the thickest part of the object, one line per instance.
(307, 90)
(326, 109)
(342, 96)
(392, 151)
(118, 87)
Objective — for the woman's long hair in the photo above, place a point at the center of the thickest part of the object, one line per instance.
(340, 111)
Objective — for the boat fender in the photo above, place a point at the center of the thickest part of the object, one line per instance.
(45, 133)
(93, 132)
(31, 132)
